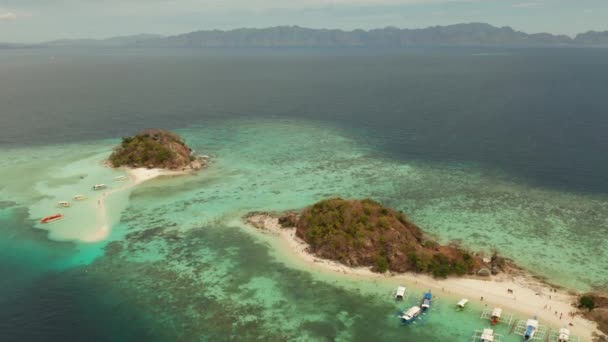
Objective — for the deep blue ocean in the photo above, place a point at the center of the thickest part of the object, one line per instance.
(538, 113)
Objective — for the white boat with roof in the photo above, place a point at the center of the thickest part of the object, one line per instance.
(99, 186)
(461, 304)
(64, 204)
(496, 314)
(400, 294)
(531, 328)
(411, 314)
(487, 335)
(564, 335)
(80, 197)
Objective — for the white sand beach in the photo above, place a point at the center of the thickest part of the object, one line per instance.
(141, 175)
(136, 176)
(519, 294)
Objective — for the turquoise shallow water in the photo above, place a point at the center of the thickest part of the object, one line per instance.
(175, 267)
(291, 164)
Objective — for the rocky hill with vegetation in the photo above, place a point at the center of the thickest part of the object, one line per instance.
(595, 308)
(155, 149)
(365, 233)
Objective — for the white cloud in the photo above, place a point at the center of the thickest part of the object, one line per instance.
(7, 16)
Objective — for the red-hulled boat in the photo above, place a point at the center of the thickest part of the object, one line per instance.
(52, 218)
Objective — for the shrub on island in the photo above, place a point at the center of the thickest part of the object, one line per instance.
(587, 302)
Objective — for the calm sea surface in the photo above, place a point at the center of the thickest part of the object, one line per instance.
(496, 148)
(540, 114)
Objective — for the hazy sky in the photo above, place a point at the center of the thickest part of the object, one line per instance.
(39, 20)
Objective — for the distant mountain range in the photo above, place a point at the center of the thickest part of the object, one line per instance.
(109, 42)
(472, 34)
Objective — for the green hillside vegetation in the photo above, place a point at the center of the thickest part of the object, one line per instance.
(152, 149)
(365, 233)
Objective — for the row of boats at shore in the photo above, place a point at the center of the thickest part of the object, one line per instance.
(528, 330)
(415, 311)
(79, 198)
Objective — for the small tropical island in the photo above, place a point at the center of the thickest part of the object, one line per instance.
(156, 149)
(360, 233)
(369, 241)
(364, 233)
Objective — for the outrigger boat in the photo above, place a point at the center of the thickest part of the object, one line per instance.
(460, 305)
(411, 314)
(426, 301)
(120, 178)
(64, 204)
(564, 335)
(496, 316)
(496, 313)
(487, 335)
(531, 328)
(99, 186)
(400, 294)
(80, 197)
(52, 218)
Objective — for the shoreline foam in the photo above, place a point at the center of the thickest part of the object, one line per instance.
(531, 297)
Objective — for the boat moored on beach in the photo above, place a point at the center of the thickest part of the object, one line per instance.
(400, 293)
(496, 314)
(99, 186)
(411, 314)
(564, 335)
(52, 218)
(426, 301)
(487, 335)
(461, 304)
(531, 328)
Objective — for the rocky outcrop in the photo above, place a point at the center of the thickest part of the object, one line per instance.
(484, 272)
(595, 308)
(288, 220)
